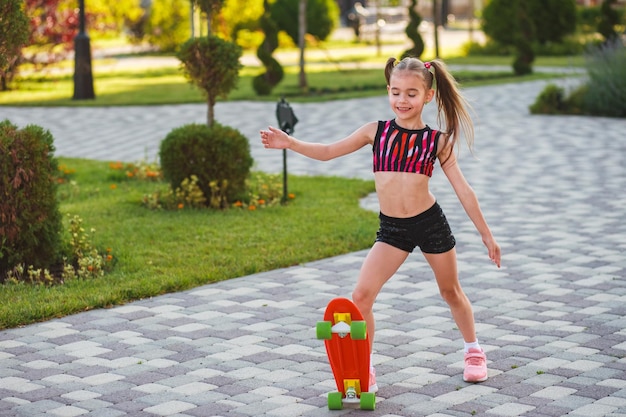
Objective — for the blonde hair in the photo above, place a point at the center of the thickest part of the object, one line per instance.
(450, 103)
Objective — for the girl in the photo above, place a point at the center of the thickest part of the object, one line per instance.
(405, 150)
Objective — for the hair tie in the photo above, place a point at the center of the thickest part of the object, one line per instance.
(427, 65)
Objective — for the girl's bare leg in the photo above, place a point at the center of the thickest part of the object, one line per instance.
(381, 263)
(445, 270)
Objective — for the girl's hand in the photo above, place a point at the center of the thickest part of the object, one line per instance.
(494, 250)
(273, 138)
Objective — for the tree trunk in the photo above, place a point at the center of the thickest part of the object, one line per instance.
(471, 21)
(302, 43)
(379, 18)
(436, 26)
(193, 20)
(210, 111)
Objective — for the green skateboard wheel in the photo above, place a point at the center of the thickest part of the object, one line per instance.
(324, 330)
(368, 401)
(358, 330)
(335, 400)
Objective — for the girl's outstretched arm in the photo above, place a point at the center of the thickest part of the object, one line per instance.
(273, 138)
(469, 201)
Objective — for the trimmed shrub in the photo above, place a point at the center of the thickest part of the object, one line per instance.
(575, 102)
(555, 100)
(550, 101)
(30, 221)
(215, 154)
(603, 95)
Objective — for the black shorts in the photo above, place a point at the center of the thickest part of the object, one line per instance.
(429, 231)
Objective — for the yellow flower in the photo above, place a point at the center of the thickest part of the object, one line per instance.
(113, 186)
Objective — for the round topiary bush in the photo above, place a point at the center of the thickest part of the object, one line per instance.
(213, 153)
(30, 221)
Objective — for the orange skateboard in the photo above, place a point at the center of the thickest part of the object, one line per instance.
(347, 345)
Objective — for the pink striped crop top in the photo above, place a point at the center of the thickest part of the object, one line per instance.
(403, 150)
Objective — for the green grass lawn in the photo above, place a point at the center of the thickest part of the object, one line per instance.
(157, 252)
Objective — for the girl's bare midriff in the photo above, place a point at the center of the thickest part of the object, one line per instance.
(403, 194)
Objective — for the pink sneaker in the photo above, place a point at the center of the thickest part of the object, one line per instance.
(475, 366)
(373, 387)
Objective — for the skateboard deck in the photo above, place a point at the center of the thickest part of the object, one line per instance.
(347, 345)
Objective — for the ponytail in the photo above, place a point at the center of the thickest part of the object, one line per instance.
(391, 63)
(452, 105)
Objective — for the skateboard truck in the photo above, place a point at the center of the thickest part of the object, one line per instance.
(342, 326)
(342, 329)
(353, 390)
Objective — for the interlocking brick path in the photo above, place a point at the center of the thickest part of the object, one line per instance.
(551, 319)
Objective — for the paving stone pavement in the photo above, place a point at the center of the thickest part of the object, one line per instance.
(551, 319)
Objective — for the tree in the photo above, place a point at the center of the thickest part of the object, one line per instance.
(53, 26)
(238, 15)
(525, 54)
(213, 65)
(321, 17)
(117, 17)
(609, 18)
(168, 24)
(552, 19)
(412, 31)
(521, 23)
(264, 83)
(508, 23)
(13, 35)
(302, 29)
(210, 8)
(297, 18)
